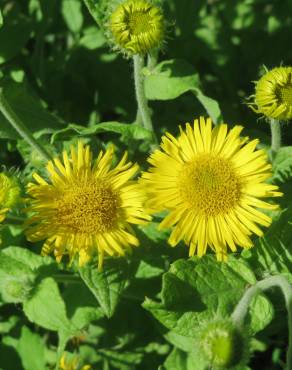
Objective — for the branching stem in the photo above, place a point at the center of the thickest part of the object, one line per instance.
(241, 309)
(16, 123)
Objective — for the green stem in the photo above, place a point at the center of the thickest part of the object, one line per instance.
(16, 123)
(71, 279)
(276, 135)
(241, 309)
(140, 92)
(152, 59)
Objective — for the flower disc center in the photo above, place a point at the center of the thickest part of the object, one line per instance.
(209, 185)
(139, 22)
(285, 94)
(88, 208)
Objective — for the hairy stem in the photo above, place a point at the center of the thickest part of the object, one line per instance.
(140, 93)
(152, 59)
(241, 309)
(16, 123)
(276, 135)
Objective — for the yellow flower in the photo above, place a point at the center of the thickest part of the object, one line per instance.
(71, 364)
(86, 208)
(137, 26)
(273, 94)
(9, 193)
(210, 180)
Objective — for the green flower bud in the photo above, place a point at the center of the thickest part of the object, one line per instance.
(224, 345)
(17, 289)
(273, 94)
(137, 26)
(9, 193)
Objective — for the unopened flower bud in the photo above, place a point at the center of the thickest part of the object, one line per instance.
(223, 345)
(137, 26)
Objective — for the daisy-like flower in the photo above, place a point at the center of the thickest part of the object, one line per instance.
(9, 193)
(211, 181)
(85, 207)
(273, 94)
(137, 26)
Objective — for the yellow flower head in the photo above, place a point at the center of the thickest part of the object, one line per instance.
(210, 180)
(137, 26)
(273, 94)
(85, 207)
(71, 364)
(9, 193)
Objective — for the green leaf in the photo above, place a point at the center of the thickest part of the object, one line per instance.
(282, 164)
(30, 259)
(261, 313)
(199, 289)
(177, 359)
(92, 38)
(181, 360)
(72, 14)
(10, 266)
(271, 254)
(172, 78)
(107, 285)
(14, 34)
(96, 8)
(81, 307)
(6, 326)
(17, 279)
(122, 360)
(28, 108)
(31, 350)
(47, 308)
(126, 130)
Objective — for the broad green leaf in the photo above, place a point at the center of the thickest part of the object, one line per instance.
(272, 253)
(261, 314)
(107, 285)
(123, 360)
(30, 259)
(6, 326)
(47, 308)
(14, 34)
(172, 78)
(96, 8)
(81, 308)
(196, 290)
(127, 130)
(72, 14)
(17, 279)
(186, 344)
(181, 360)
(1, 19)
(177, 359)
(29, 110)
(11, 266)
(282, 164)
(83, 316)
(92, 38)
(149, 268)
(31, 350)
